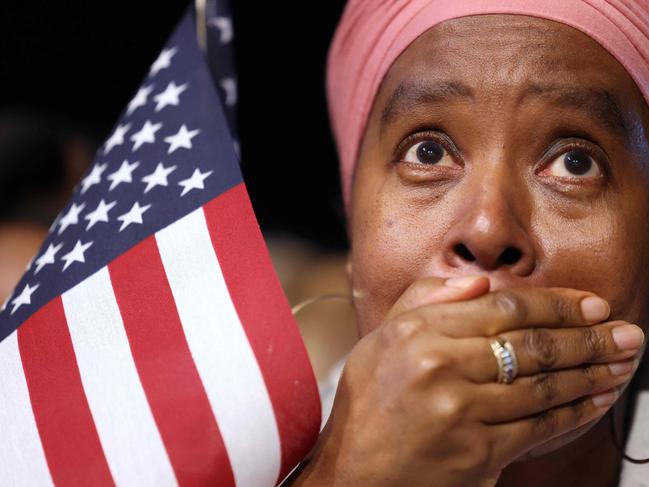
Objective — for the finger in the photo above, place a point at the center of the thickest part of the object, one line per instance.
(512, 309)
(438, 290)
(513, 440)
(531, 395)
(543, 349)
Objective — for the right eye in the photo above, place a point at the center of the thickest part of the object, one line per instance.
(428, 152)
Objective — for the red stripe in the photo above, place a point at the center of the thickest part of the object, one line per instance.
(67, 431)
(267, 319)
(169, 377)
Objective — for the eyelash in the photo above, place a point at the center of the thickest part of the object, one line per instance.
(597, 155)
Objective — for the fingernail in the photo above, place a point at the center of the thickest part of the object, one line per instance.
(461, 282)
(621, 368)
(594, 309)
(628, 337)
(604, 399)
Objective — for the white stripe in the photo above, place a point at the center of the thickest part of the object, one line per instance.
(220, 349)
(131, 441)
(22, 459)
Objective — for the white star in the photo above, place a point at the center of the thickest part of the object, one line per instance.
(118, 136)
(157, 177)
(236, 148)
(47, 257)
(100, 214)
(196, 181)
(163, 61)
(145, 135)
(94, 177)
(183, 138)
(169, 96)
(123, 175)
(224, 24)
(139, 100)
(134, 215)
(76, 254)
(4, 305)
(71, 217)
(24, 298)
(229, 85)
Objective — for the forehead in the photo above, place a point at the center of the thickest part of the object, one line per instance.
(513, 56)
(488, 43)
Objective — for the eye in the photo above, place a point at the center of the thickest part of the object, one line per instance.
(428, 152)
(574, 164)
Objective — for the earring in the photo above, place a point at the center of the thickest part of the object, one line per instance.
(301, 305)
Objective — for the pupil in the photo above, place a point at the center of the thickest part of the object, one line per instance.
(430, 152)
(577, 162)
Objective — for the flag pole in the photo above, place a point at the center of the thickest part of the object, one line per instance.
(201, 25)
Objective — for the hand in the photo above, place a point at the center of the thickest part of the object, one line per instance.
(417, 403)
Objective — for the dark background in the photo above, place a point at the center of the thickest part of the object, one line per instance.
(83, 61)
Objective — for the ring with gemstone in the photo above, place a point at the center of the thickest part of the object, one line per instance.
(506, 358)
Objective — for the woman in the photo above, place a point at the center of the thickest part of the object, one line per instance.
(494, 171)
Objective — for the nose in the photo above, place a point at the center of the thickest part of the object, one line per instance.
(491, 230)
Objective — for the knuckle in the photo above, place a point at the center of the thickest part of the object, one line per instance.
(594, 342)
(430, 364)
(400, 330)
(541, 346)
(591, 377)
(547, 423)
(562, 308)
(510, 304)
(579, 409)
(545, 386)
(449, 407)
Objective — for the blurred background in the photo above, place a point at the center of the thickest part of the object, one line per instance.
(67, 70)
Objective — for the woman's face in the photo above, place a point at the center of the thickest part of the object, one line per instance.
(509, 146)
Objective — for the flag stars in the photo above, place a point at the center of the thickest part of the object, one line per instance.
(123, 175)
(117, 138)
(94, 177)
(183, 138)
(71, 217)
(163, 61)
(224, 24)
(48, 257)
(157, 177)
(229, 86)
(100, 214)
(146, 134)
(139, 100)
(170, 96)
(24, 297)
(196, 181)
(77, 254)
(134, 215)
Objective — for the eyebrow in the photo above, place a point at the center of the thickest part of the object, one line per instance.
(598, 103)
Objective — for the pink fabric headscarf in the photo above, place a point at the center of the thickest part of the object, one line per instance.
(372, 33)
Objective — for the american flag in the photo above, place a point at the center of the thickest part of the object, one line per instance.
(150, 343)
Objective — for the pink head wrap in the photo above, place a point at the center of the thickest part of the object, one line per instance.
(372, 33)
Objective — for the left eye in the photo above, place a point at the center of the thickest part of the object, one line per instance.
(575, 163)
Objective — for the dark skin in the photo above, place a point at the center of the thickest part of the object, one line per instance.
(493, 193)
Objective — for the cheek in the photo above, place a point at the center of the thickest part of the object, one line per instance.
(604, 252)
(392, 243)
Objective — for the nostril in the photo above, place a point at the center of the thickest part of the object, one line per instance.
(464, 252)
(510, 256)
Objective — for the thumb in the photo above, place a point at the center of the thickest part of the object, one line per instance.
(431, 290)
